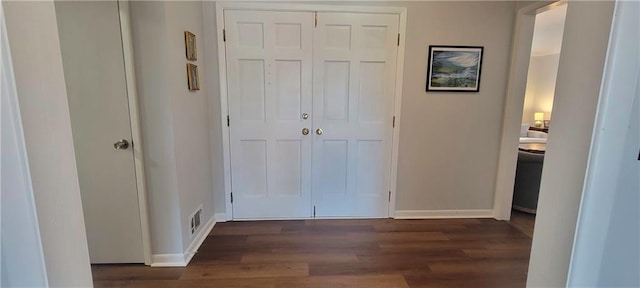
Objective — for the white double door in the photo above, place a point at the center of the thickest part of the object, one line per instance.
(335, 79)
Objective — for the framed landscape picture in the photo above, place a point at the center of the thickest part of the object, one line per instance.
(454, 68)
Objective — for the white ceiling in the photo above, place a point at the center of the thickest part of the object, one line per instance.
(547, 34)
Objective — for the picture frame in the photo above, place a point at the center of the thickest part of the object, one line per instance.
(454, 68)
(193, 79)
(190, 46)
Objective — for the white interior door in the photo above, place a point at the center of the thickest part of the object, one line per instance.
(95, 78)
(354, 70)
(269, 82)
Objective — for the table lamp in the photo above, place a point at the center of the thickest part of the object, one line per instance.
(538, 117)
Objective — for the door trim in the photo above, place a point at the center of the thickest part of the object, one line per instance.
(222, 77)
(136, 133)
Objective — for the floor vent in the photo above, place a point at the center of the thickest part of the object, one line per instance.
(195, 221)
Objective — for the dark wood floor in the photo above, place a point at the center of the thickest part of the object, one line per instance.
(344, 253)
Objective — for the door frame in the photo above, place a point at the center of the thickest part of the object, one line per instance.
(514, 101)
(136, 133)
(222, 75)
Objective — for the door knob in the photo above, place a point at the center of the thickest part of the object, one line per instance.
(305, 116)
(123, 144)
(319, 131)
(305, 131)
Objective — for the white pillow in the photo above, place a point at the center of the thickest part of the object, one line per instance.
(537, 134)
(524, 140)
(523, 129)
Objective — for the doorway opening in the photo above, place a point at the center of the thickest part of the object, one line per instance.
(537, 110)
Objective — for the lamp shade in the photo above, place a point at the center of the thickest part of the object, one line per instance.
(538, 116)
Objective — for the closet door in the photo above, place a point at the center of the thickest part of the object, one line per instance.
(269, 58)
(94, 74)
(354, 66)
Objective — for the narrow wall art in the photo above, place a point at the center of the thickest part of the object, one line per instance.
(190, 46)
(193, 79)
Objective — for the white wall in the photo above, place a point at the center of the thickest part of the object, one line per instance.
(39, 78)
(190, 114)
(449, 142)
(21, 257)
(543, 65)
(175, 121)
(607, 243)
(541, 84)
(580, 73)
(620, 262)
(148, 30)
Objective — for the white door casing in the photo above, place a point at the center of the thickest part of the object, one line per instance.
(269, 88)
(354, 65)
(380, 26)
(92, 52)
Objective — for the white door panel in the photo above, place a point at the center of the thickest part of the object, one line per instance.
(95, 80)
(354, 83)
(269, 88)
(275, 170)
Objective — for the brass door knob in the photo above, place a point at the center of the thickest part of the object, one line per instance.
(305, 131)
(319, 131)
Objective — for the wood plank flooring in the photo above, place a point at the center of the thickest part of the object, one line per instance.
(344, 253)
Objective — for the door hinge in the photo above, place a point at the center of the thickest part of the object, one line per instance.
(398, 39)
(231, 197)
(224, 35)
(394, 121)
(316, 19)
(314, 211)
(228, 121)
(389, 196)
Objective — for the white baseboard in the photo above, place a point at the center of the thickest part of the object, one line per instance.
(168, 260)
(220, 217)
(443, 214)
(198, 239)
(181, 260)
